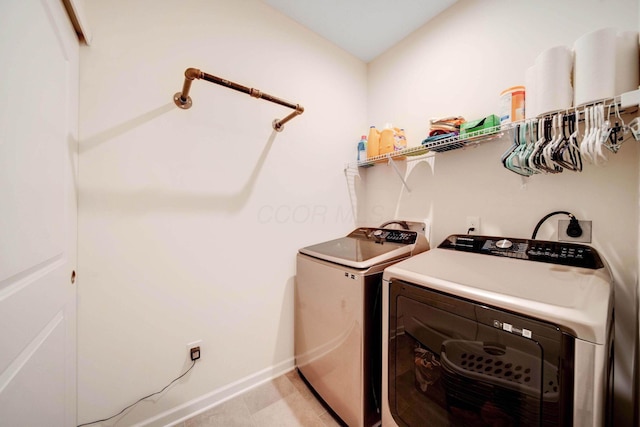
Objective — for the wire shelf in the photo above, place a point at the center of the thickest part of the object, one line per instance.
(442, 145)
(477, 137)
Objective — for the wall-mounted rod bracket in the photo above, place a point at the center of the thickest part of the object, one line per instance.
(183, 100)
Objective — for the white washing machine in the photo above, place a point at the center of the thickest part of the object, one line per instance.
(338, 315)
(490, 331)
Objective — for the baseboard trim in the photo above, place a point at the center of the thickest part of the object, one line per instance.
(216, 397)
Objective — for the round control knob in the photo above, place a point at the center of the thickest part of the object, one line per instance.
(504, 244)
(377, 233)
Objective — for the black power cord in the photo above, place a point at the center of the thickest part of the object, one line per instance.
(573, 229)
(142, 398)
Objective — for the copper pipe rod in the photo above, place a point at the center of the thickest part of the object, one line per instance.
(279, 124)
(183, 100)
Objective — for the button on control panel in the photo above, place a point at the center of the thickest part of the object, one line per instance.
(531, 250)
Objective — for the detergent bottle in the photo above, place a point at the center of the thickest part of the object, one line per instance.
(387, 139)
(400, 142)
(373, 142)
(362, 148)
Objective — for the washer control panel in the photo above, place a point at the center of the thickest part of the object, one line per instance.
(563, 253)
(381, 235)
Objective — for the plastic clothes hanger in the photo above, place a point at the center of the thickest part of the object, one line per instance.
(551, 146)
(584, 144)
(634, 128)
(606, 129)
(601, 133)
(532, 139)
(556, 154)
(543, 164)
(512, 157)
(567, 154)
(535, 156)
(533, 160)
(574, 149)
(615, 139)
(511, 149)
(526, 150)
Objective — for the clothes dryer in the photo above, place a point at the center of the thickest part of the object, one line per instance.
(486, 331)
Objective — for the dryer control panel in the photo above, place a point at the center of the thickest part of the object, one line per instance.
(563, 253)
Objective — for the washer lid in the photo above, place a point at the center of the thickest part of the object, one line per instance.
(365, 247)
(577, 298)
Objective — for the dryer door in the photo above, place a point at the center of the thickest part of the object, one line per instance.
(456, 362)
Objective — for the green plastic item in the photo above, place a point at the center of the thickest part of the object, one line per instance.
(483, 126)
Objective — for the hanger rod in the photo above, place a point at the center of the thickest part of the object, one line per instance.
(183, 100)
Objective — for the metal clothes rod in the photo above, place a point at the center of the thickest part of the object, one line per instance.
(183, 100)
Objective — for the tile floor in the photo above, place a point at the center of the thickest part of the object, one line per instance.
(285, 401)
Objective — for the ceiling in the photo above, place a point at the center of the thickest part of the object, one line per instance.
(365, 28)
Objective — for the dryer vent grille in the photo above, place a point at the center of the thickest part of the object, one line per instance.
(509, 385)
(512, 369)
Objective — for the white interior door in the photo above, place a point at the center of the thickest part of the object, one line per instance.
(38, 157)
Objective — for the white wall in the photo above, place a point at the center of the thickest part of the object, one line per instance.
(458, 64)
(190, 220)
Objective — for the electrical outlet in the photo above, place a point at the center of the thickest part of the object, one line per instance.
(194, 352)
(584, 238)
(194, 349)
(473, 225)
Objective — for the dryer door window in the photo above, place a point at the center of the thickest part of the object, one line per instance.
(453, 362)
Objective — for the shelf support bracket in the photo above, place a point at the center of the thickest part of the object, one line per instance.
(395, 167)
(183, 100)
